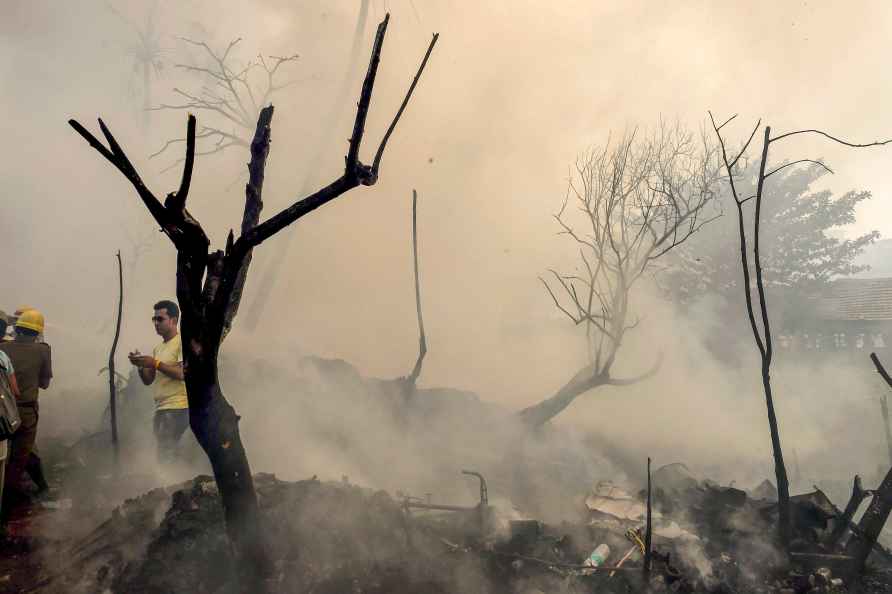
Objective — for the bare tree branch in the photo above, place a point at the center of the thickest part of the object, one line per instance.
(746, 144)
(638, 378)
(785, 165)
(881, 369)
(376, 163)
(422, 338)
(232, 97)
(365, 97)
(729, 120)
(355, 172)
(833, 138)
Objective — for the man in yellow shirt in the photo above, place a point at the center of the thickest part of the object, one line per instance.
(164, 369)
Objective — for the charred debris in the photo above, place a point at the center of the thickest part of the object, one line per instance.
(683, 534)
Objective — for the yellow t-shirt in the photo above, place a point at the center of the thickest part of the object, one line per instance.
(170, 394)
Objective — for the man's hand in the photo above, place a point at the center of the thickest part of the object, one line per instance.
(141, 361)
(144, 364)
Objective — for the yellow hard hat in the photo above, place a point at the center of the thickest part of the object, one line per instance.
(30, 319)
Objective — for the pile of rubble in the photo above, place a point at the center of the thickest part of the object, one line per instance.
(712, 538)
(339, 537)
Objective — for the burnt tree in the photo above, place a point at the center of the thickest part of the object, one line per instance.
(871, 523)
(410, 381)
(235, 97)
(648, 532)
(146, 54)
(843, 522)
(884, 402)
(209, 289)
(635, 201)
(877, 512)
(112, 377)
(760, 324)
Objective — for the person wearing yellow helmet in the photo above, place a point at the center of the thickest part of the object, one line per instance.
(34, 466)
(32, 361)
(38, 322)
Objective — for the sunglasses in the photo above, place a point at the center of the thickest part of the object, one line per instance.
(158, 319)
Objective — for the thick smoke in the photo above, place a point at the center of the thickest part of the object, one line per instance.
(510, 97)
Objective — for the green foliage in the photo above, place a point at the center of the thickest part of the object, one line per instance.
(800, 243)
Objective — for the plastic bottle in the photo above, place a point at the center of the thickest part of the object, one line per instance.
(598, 556)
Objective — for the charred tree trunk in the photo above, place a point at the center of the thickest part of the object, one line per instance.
(761, 335)
(648, 532)
(845, 520)
(537, 415)
(215, 425)
(884, 407)
(872, 522)
(112, 387)
(411, 381)
(884, 403)
(208, 288)
(586, 379)
(780, 469)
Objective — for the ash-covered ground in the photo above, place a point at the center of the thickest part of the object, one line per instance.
(546, 509)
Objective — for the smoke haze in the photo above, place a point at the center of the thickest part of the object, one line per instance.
(513, 92)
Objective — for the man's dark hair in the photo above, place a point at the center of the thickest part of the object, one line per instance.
(3, 325)
(172, 309)
(26, 331)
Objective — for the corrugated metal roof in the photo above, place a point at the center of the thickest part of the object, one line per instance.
(857, 299)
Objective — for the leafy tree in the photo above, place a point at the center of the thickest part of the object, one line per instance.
(801, 249)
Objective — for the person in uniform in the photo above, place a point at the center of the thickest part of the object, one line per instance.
(32, 362)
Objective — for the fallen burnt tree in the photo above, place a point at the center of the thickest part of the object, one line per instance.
(874, 518)
(209, 290)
